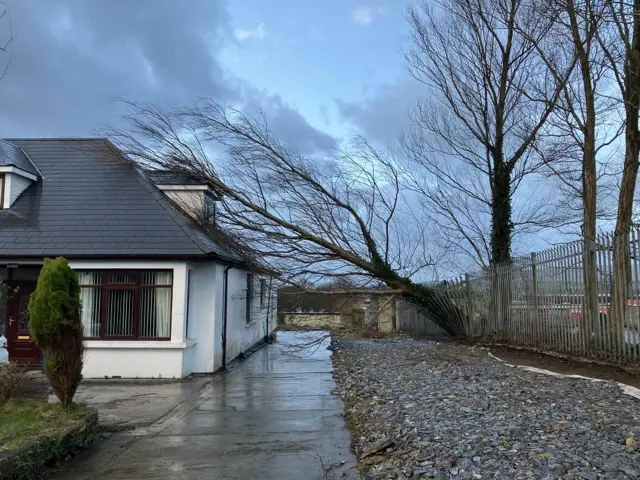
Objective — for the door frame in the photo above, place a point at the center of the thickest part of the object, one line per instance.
(15, 336)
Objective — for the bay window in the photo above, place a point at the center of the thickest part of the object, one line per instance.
(126, 304)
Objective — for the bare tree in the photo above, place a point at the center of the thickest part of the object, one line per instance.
(584, 122)
(475, 132)
(6, 37)
(307, 216)
(621, 43)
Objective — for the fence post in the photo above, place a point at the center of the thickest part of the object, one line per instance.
(470, 323)
(534, 288)
(591, 306)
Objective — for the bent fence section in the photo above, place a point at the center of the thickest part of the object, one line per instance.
(539, 302)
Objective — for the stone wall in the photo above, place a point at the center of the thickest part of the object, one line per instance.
(381, 313)
(323, 320)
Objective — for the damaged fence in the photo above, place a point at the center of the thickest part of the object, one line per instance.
(538, 301)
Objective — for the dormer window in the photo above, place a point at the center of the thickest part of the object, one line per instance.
(192, 195)
(209, 210)
(17, 172)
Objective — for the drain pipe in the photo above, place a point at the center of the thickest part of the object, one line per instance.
(225, 305)
(267, 337)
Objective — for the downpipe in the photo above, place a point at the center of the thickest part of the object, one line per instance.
(225, 309)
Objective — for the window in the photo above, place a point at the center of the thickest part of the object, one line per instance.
(249, 297)
(209, 210)
(128, 304)
(263, 291)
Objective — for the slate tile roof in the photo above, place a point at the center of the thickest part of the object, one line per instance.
(13, 156)
(90, 202)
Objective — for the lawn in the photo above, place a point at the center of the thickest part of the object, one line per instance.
(23, 419)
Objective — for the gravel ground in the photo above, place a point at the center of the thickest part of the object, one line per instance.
(421, 410)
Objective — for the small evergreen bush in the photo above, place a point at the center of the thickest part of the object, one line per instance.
(56, 326)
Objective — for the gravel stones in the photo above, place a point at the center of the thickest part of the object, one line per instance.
(418, 409)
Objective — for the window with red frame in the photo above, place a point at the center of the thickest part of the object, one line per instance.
(126, 304)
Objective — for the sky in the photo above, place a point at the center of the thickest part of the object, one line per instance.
(321, 70)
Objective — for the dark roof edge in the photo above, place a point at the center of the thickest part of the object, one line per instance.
(39, 175)
(65, 139)
(128, 256)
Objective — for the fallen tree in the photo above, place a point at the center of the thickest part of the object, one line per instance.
(306, 215)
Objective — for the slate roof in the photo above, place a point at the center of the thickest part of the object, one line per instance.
(91, 202)
(13, 156)
(168, 178)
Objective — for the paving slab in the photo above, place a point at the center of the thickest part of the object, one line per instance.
(270, 417)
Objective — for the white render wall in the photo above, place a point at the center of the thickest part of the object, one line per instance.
(133, 359)
(201, 313)
(190, 200)
(14, 185)
(240, 335)
(200, 349)
(18, 184)
(141, 359)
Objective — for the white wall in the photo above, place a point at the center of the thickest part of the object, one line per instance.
(17, 185)
(132, 362)
(190, 200)
(217, 328)
(14, 185)
(199, 351)
(240, 335)
(131, 358)
(201, 313)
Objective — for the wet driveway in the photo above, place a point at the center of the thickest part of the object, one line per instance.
(271, 417)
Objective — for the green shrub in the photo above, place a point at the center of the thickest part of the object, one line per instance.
(56, 326)
(11, 376)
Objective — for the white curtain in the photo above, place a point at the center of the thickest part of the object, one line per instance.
(163, 304)
(90, 299)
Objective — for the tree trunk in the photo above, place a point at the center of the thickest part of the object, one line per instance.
(621, 247)
(501, 232)
(501, 224)
(589, 195)
(621, 254)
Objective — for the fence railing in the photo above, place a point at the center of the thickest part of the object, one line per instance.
(411, 319)
(538, 301)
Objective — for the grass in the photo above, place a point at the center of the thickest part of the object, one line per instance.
(24, 419)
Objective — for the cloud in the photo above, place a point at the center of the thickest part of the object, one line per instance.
(365, 15)
(383, 115)
(72, 59)
(258, 33)
(287, 123)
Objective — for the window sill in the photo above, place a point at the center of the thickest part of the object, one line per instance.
(140, 344)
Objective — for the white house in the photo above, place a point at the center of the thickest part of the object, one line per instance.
(161, 298)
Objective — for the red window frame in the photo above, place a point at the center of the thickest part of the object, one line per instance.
(3, 180)
(137, 287)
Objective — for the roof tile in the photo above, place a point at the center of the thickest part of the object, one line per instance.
(92, 201)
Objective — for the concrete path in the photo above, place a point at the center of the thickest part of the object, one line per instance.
(271, 417)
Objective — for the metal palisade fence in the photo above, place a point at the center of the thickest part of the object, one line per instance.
(538, 301)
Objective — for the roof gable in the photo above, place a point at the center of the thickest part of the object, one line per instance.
(13, 156)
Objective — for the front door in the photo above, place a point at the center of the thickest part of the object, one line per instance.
(21, 348)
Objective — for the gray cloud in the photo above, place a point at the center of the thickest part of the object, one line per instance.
(383, 115)
(72, 59)
(290, 125)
